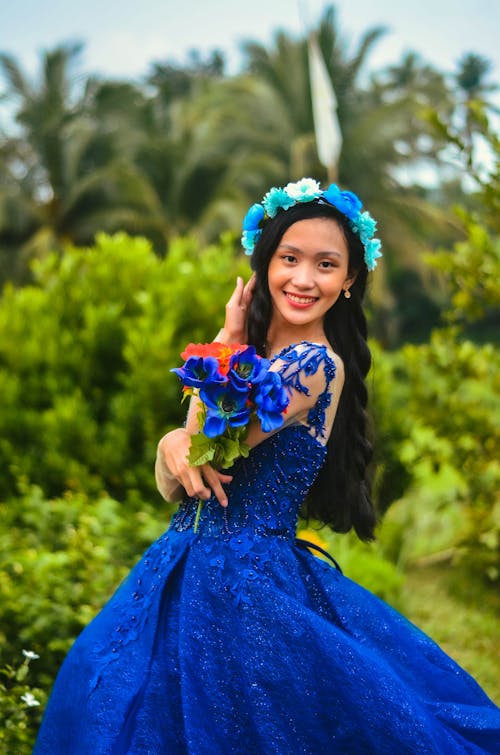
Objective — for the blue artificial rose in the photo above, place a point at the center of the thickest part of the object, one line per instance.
(247, 367)
(226, 404)
(271, 400)
(345, 201)
(196, 370)
(253, 218)
(275, 200)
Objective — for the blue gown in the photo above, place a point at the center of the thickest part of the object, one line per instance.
(236, 639)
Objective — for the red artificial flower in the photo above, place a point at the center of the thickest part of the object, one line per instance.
(221, 351)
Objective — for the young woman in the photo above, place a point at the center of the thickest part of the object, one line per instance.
(230, 636)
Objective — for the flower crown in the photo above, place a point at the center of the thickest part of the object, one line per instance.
(308, 190)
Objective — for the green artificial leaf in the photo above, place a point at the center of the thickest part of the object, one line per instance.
(244, 449)
(202, 450)
(227, 452)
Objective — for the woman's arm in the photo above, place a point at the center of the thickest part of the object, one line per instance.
(172, 471)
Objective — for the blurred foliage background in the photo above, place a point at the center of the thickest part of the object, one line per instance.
(120, 207)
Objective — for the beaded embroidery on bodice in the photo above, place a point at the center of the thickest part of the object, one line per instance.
(267, 489)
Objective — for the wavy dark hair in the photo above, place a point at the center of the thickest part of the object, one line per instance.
(340, 495)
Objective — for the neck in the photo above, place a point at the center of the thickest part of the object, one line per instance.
(279, 337)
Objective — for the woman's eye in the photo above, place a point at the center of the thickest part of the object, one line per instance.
(288, 258)
(326, 264)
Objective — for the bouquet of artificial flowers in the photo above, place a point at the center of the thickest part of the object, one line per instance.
(233, 384)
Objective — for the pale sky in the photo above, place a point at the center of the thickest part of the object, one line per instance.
(122, 37)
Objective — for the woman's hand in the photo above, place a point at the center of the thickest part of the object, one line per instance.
(235, 324)
(172, 464)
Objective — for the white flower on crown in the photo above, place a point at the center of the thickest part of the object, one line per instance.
(304, 190)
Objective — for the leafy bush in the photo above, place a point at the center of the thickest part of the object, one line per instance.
(445, 399)
(85, 354)
(60, 561)
(62, 558)
(20, 707)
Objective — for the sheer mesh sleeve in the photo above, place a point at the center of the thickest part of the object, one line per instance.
(314, 375)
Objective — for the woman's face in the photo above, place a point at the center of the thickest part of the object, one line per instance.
(307, 274)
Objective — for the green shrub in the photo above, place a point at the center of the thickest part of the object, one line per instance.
(20, 707)
(85, 354)
(445, 409)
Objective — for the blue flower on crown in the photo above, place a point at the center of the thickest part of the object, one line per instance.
(345, 201)
(308, 190)
(253, 218)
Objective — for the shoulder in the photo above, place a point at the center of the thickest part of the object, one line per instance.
(308, 366)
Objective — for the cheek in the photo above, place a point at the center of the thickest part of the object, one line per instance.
(274, 275)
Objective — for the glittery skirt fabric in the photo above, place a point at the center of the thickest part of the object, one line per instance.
(250, 644)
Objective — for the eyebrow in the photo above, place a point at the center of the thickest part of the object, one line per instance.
(326, 253)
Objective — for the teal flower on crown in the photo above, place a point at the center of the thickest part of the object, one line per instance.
(275, 200)
(365, 226)
(345, 201)
(372, 253)
(249, 239)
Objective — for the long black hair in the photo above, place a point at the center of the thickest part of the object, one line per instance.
(340, 496)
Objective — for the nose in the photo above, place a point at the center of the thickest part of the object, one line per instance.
(303, 277)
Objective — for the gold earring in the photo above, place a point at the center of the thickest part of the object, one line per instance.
(347, 293)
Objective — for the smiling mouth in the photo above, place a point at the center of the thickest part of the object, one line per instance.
(296, 299)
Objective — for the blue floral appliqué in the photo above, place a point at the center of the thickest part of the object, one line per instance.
(234, 573)
(305, 359)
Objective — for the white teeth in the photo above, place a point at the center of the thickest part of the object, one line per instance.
(301, 299)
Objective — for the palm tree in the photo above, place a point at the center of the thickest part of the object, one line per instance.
(211, 149)
(471, 78)
(66, 169)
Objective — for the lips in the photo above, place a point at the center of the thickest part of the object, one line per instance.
(300, 301)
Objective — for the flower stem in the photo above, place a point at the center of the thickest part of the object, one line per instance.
(198, 514)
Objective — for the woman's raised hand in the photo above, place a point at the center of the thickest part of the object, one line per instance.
(172, 470)
(235, 324)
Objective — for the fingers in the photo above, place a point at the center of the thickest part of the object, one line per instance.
(203, 482)
(248, 290)
(215, 479)
(242, 294)
(193, 484)
(236, 297)
(198, 482)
